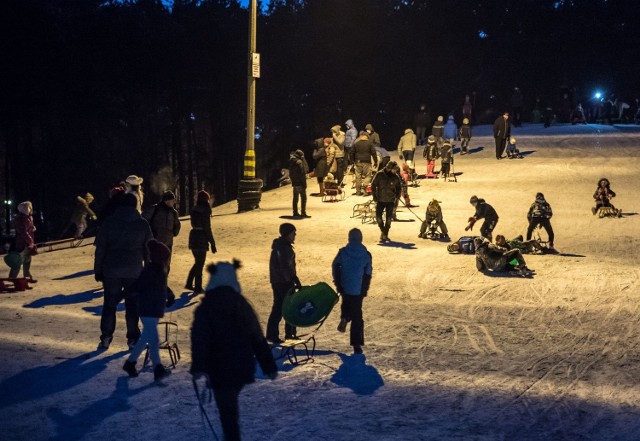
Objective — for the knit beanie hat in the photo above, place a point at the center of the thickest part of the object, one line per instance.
(440, 118)
(168, 196)
(134, 180)
(203, 197)
(158, 252)
(129, 200)
(25, 208)
(355, 236)
(286, 229)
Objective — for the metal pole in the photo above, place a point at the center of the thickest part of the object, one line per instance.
(250, 154)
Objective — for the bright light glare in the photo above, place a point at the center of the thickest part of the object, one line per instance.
(598, 95)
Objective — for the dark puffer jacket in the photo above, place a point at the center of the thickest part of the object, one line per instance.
(151, 291)
(282, 263)
(485, 211)
(165, 223)
(298, 169)
(386, 186)
(364, 151)
(501, 128)
(201, 235)
(225, 337)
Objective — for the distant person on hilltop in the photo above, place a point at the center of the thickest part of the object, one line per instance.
(501, 133)
(467, 108)
(421, 121)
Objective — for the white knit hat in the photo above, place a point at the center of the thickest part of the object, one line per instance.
(134, 180)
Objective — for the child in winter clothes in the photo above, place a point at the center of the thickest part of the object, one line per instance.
(464, 134)
(431, 153)
(25, 243)
(450, 129)
(226, 340)
(447, 159)
(153, 295)
(540, 213)
(433, 214)
(352, 270)
(405, 176)
(512, 149)
(603, 196)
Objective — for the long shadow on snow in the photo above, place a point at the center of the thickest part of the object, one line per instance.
(355, 374)
(75, 427)
(285, 366)
(527, 152)
(76, 275)
(62, 299)
(42, 381)
(185, 300)
(394, 244)
(476, 149)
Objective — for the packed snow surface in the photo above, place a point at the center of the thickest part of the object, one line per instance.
(451, 354)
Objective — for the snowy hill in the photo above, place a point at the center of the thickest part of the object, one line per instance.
(450, 353)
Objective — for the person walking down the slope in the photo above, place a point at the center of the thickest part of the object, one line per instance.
(421, 121)
(493, 258)
(407, 147)
(133, 185)
(450, 130)
(200, 240)
(121, 251)
(352, 270)
(25, 240)
(298, 169)
(433, 215)
(364, 153)
(165, 222)
(486, 212)
(350, 137)
(501, 133)
(339, 139)
(153, 296)
(283, 277)
(80, 214)
(321, 170)
(540, 215)
(373, 135)
(603, 196)
(438, 129)
(386, 188)
(464, 134)
(226, 341)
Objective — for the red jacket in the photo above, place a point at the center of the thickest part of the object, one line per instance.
(24, 231)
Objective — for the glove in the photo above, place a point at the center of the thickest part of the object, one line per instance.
(472, 221)
(214, 250)
(339, 288)
(99, 276)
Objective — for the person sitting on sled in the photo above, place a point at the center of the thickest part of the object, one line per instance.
(493, 258)
(603, 196)
(433, 214)
(512, 149)
(431, 153)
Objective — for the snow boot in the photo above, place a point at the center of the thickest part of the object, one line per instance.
(342, 327)
(357, 349)
(105, 342)
(130, 368)
(160, 372)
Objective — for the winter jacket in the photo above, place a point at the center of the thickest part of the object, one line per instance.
(492, 256)
(332, 164)
(338, 141)
(465, 131)
(450, 129)
(501, 128)
(151, 291)
(25, 232)
(422, 119)
(282, 263)
(165, 223)
(226, 339)
(364, 151)
(320, 157)
(352, 270)
(540, 210)
(438, 130)
(373, 136)
(351, 135)
(407, 142)
(485, 211)
(81, 211)
(384, 153)
(139, 196)
(121, 245)
(386, 186)
(431, 152)
(298, 169)
(110, 207)
(446, 154)
(201, 236)
(604, 193)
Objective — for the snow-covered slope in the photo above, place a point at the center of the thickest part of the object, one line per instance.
(450, 353)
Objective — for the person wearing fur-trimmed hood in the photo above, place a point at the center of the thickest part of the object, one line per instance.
(25, 240)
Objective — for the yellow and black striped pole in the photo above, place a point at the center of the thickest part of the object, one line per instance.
(250, 164)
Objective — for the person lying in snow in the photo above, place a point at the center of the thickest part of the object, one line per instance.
(464, 245)
(493, 258)
(517, 243)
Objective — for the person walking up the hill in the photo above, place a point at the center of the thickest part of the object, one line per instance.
(25, 240)
(200, 240)
(486, 212)
(298, 169)
(363, 154)
(352, 271)
(386, 188)
(283, 277)
(339, 139)
(540, 214)
(501, 133)
(165, 221)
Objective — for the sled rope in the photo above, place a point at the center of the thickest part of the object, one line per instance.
(405, 205)
(203, 412)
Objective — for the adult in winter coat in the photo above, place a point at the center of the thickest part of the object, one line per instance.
(363, 154)
(330, 150)
(339, 138)
(133, 185)
(497, 259)
(433, 215)
(517, 106)
(450, 129)
(226, 340)
(407, 145)
(200, 240)
(464, 134)
(25, 240)
(386, 188)
(283, 277)
(501, 133)
(352, 270)
(298, 169)
(320, 158)
(115, 195)
(153, 296)
(121, 250)
(373, 135)
(540, 214)
(603, 195)
(438, 128)
(421, 121)
(79, 216)
(165, 221)
(350, 137)
(486, 212)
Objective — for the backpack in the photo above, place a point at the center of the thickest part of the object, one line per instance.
(466, 246)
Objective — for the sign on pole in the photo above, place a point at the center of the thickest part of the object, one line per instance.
(255, 65)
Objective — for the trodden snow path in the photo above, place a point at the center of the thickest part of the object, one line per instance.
(450, 353)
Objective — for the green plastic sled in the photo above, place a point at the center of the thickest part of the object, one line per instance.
(13, 260)
(309, 305)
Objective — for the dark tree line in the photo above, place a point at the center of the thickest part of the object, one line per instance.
(93, 91)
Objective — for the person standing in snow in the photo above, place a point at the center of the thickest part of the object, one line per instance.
(486, 212)
(407, 146)
(349, 140)
(298, 169)
(421, 121)
(431, 153)
(200, 240)
(464, 134)
(226, 340)
(438, 129)
(25, 240)
(386, 188)
(321, 170)
(373, 135)
(121, 250)
(133, 185)
(283, 277)
(338, 138)
(450, 130)
(165, 221)
(501, 133)
(153, 295)
(363, 154)
(79, 216)
(352, 270)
